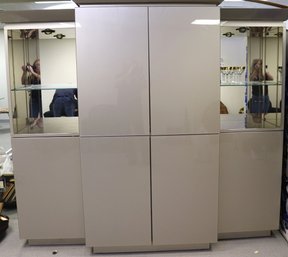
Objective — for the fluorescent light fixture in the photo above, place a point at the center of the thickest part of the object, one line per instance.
(52, 25)
(205, 22)
(49, 5)
(233, 0)
(52, 2)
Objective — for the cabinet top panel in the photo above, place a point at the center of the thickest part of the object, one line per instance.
(216, 2)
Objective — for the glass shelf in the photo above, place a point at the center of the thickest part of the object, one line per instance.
(44, 87)
(244, 121)
(54, 125)
(251, 83)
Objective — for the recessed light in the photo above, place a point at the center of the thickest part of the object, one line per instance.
(205, 22)
(52, 2)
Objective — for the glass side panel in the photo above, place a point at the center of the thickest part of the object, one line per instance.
(251, 76)
(42, 75)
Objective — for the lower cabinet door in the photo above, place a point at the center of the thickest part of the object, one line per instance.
(185, 189)
(48, 188)
(116, 191)
(250, 182)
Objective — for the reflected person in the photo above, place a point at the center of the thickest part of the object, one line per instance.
(260, 102)
(31, 76)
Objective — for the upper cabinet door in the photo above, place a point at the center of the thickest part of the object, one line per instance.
(112, 64)
(184, 63)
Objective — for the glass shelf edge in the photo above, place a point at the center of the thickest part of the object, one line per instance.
(251, 84)
(44, 87)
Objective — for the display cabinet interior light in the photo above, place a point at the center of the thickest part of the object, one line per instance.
(57, 4)
(228, 34)
(279, 34)
(48, 31)
(205, 22)
(242, 29)
(59, 36)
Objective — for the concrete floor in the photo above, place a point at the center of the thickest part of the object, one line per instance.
(274, 246)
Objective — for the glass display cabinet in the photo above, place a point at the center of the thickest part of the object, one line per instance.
(43, 96)
(41, 61)
(251, 136)
(251, 75)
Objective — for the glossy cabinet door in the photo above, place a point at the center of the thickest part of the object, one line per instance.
(49, 190)
(184, 70)
(116, 191)
(185, 189)
(250, 181)
(112, 64)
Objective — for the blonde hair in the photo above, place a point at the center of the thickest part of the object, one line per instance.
(256, 74)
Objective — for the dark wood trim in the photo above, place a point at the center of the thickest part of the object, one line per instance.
(268, 3)
(253, 14)
(83, 2)
(67, 15)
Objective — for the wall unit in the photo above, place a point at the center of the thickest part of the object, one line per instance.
(141, 85)
(252, 130)
(150, 141)
(46, 153)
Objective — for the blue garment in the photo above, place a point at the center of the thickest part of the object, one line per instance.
(35, 103)
(259, 104)
(64, 102)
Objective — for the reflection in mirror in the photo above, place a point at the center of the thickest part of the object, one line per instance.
(251, 76)
(44, 99)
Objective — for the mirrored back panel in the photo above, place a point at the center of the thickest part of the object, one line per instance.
(42, 78)
(251, 75)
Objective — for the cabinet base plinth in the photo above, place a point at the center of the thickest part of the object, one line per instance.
(235, 235)
(151, 248)
(70, 241)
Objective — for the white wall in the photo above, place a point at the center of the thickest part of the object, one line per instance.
(233, 53)
(58, 65)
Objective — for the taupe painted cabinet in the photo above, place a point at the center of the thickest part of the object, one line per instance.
(149, 126)
(49, 191)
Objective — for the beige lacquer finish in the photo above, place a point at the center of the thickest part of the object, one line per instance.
(112, 66)
(184, 63)
(49, 192)
(185, 189)
(116, 191)
(250, 181)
